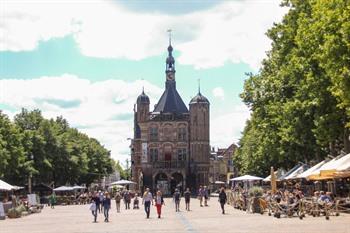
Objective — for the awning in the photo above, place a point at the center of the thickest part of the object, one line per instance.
(78, 187)
(330, 169)
(5, 186)
(296, 172)
(246, 178)
(63, 188)
(122, 182)
(311, 170)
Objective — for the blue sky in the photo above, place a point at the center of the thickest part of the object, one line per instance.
(88, 61)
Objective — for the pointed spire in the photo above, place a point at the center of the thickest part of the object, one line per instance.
(169, 32)
(199, 86)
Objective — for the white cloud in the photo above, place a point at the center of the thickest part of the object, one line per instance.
(219, 92)
(103, 109)
(227, 128)
(231, 31)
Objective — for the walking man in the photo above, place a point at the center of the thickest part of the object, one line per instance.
(106, 206)
(206, 195)
(118, 198)
(222, 199)
(177, 197)
(187, 195)
(200, 196)
(146, 200)
(52, 200)
(127, 199)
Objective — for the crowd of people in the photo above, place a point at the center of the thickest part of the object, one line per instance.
(101, 201)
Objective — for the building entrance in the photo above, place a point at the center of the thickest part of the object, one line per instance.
(177, 182)
(162, 183)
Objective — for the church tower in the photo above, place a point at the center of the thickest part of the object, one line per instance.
(199, 138)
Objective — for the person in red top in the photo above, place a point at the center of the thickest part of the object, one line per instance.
(159, 202)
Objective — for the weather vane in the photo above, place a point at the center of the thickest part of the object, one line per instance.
(169, 32)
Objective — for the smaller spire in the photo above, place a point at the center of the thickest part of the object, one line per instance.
(169, 32)
(199, 86)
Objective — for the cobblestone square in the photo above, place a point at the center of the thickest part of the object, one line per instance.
(78, 219)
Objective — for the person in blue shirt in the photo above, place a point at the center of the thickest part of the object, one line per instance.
(106, 206)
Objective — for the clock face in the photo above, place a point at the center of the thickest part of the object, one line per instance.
(170, 76)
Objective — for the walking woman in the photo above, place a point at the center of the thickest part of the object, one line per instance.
(106, 206)
(159, 202)
(146, 200)
(222, 199)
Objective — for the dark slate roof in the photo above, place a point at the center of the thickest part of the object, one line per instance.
(171, 102)
(199, 98)
(143, 98)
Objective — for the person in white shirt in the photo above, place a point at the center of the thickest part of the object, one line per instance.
(93, 209)
(146, 200)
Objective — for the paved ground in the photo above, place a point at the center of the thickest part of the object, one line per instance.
(78, 219)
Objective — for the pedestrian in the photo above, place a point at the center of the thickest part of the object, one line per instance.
(93, 209)
(159, 201)
(106, 206)
(177, 197)
(146, 200)
(187, 196)
(100, 203)
(206, 195)
(52, 200)
(222, 199)
(200, 196)
(127, 199)
(118, 198)
(136, 202)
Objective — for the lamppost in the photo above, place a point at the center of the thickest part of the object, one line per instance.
(30, 176)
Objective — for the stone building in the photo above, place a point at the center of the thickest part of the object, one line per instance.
(170, 148)
(221, 164)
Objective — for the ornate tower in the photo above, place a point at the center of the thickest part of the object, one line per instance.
(199, 139)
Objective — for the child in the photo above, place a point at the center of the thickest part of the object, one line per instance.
(93, 209)
(136, 202)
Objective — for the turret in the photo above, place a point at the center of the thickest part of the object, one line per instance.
(199, 124)
(142, 107)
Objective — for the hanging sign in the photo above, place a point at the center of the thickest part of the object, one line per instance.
(144, 153)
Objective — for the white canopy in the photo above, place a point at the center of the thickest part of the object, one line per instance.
(308, 172)
(246, 178)
(78, 187)
(295, 173)
(343, 163)
(219, 182)
(64, 188)
(5, 186)
(338, 163)
(122, 182)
